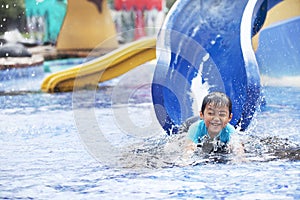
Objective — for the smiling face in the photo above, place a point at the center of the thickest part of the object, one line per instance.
(215, 117)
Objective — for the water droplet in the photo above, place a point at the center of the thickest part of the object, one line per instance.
(205, 58)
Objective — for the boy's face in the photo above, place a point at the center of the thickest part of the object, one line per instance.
(215, 118)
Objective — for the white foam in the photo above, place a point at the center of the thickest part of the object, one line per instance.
(287, 81)
(199, 89)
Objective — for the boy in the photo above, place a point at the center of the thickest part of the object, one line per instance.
(213, 133)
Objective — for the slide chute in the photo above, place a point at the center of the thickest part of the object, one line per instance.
(205, 46)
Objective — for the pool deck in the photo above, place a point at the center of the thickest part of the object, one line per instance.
(21, 62)
(47, 52)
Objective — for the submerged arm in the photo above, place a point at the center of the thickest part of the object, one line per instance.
(237, 147)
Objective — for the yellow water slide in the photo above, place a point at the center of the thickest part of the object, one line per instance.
(103, 68)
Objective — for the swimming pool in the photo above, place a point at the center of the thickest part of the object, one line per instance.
(43, 155)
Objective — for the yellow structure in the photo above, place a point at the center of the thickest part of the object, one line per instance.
(86, 26)
(103, 68)
(284, 10)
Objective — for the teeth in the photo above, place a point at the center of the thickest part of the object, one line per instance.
(215, 124)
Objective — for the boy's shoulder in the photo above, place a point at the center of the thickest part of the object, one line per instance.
(230, 128)
(188, 123)
(196, 130)
(199, 124)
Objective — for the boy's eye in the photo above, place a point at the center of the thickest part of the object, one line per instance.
(222, 114)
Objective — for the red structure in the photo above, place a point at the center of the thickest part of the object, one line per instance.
(139, 7)
(138, 4)
(139, 30)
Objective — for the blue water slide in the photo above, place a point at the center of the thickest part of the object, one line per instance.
(205, 46)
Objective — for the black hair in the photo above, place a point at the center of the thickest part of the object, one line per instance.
(218, 99)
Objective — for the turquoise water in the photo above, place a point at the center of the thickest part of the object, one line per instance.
(44, 154)
(62, 64)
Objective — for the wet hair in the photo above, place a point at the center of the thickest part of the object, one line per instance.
(217, 99)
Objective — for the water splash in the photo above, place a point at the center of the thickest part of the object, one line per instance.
(168, 151)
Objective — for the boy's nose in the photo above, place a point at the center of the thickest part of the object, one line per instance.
(215, 118)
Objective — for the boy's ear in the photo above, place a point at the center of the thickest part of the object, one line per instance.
(230, 117)
(201, 115)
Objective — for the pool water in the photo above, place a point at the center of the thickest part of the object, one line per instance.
(45, 152)
(62, 64)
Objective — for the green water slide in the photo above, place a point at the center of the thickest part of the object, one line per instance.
(45, 18)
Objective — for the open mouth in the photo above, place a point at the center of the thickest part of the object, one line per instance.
(215, 124)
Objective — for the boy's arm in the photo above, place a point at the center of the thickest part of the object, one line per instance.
(190, 144)
(237, 148)
(188, 152)
(190, 147)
